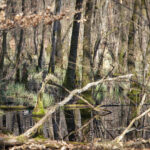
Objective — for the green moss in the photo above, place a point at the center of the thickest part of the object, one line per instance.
(135, 91)
(116, 74)
(39, 109)
(40, 138)
(39, 133)
(22, 139)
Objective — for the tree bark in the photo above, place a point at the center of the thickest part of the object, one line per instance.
(70, 77)
(19, 48)
(86, 75)
(56, 54)
(3, 52)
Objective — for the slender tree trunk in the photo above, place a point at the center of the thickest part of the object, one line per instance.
(40, 59)
(34, 10)
(131, 38)
(3, 52)
(87, 44)
(133, 59)
(19, 48)
(102, 46)
(56, 54)
(35, 41)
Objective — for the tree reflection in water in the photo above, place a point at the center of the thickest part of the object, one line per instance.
(105, 127)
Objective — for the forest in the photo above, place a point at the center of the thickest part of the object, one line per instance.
(74, 74)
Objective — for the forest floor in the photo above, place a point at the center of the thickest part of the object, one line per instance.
(46, 144)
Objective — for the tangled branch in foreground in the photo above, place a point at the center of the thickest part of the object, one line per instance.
(116, 143)
(52, 109)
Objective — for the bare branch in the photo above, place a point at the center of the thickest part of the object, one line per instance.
(120, 137)
(52, 109)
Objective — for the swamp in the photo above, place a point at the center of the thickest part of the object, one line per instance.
(74, 74)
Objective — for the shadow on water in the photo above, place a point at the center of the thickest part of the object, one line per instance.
(88, 124)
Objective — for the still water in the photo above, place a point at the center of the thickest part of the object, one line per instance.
(88, 125)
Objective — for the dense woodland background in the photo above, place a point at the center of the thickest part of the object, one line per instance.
(78, 41)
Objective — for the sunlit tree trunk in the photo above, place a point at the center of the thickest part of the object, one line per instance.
(132, 35)
(145, 28)
(134, 59)
(87, 44)
(34, 10)
(101, 57)
(147, 66)
(56, 54)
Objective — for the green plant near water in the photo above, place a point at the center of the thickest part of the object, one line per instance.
(17, 94)
(47, 100)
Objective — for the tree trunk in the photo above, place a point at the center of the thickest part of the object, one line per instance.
(3, 52)
(40, 59)
(56, 41)
(19, 48)
(70, 77)
(86, 75)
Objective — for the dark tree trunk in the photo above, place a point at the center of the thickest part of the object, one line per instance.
(19, 48)
(71, 69)
(70, 77)
(40, 59)
(24, 79)
(2, 53)
(35, 42)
